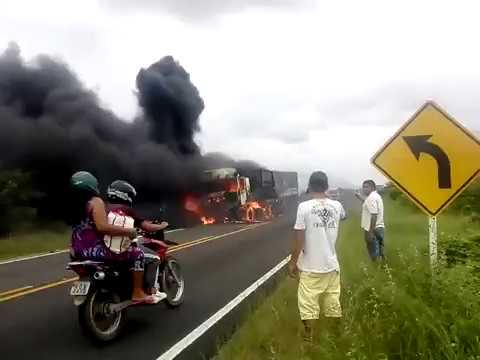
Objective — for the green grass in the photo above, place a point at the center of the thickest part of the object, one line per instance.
(34, 242)
(397, 312)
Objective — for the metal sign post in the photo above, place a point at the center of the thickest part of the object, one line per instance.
(432, 236)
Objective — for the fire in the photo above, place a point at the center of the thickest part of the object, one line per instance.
(207, 220)
(254, 205)
(216, 197)
(251, 212)
(191, 204)
(232, 186)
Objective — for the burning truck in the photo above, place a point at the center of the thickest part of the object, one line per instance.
(243, 195)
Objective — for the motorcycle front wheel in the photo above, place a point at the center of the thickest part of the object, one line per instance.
(172, 283)
(95, 319)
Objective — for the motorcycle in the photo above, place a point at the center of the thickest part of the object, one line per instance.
(103, 292)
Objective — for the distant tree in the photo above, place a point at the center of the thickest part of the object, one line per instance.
(469, 200)
(15, 191)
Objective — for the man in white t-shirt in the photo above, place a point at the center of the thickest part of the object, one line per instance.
(372, 220)
(314, 258)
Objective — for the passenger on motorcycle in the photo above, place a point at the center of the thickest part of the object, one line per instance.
(120, 196)
(90, 226)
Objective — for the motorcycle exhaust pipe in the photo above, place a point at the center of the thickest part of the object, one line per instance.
(99, 275)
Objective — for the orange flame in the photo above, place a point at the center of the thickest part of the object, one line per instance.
(254, 205)
(232, 186)
(207, 220)
(192, 204)
(251, 213)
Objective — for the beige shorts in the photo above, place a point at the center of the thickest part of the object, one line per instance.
(314, 287)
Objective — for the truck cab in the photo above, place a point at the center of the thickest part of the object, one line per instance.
(227, 184)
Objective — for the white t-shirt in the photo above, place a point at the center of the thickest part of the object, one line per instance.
(373, 205)
(320, 219)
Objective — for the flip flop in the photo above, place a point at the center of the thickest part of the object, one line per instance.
(149, 300)
(161, 295)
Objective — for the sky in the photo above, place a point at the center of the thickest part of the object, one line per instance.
(296, 85)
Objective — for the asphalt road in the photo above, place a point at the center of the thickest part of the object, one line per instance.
(43, 324)
(39, 320)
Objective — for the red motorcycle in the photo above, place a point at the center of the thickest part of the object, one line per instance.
(103, 291)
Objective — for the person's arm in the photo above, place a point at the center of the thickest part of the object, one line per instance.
(298, 242)
(297, 245)
(372, 207)
(373, 224)
(360, 196)
(100, 218)
(343, 213)
(144, 224)
(148, 226)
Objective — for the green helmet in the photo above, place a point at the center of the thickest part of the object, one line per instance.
(83, 180)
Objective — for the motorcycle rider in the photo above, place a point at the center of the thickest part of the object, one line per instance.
(90, 225)
(120, 196)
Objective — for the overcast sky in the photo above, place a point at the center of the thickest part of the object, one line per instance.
(293, 84)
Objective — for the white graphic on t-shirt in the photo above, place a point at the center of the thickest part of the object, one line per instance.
(326, 215)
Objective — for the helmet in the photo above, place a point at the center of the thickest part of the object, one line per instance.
(83, 180)
(121, 191)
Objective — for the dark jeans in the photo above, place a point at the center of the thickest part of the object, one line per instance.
(375, 245)
(151, 263)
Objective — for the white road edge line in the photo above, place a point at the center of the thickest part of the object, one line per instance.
(56, 252)
(174, 230)
(176, 349)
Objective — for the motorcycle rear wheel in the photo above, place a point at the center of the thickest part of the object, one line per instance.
(95, 319)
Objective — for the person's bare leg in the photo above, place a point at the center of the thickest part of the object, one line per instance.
(138, 293)
(308, 330)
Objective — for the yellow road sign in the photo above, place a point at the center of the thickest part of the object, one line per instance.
(432, 158)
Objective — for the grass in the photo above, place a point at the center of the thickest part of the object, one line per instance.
(33, 242)
(397, 312)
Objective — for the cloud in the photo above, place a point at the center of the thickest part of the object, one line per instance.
(265, 116)
(200, 10)
(396, 102)
(292, 89)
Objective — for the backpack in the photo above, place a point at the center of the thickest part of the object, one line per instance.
(118, 244)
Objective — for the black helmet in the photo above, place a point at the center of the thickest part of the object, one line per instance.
(121, 192)
(84, 181)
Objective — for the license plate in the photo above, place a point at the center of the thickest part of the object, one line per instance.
(80, 288)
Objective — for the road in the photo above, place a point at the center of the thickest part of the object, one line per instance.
(40, 321)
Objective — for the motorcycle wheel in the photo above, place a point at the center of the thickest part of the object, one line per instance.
(172, 283)
(95, 319)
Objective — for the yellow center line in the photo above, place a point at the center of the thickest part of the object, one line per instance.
(9, 292)
(179, 246)
(211, 238)
(39, 288)
(20, 292)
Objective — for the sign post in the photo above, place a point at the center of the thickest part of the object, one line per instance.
(431, 159)
(432, 235)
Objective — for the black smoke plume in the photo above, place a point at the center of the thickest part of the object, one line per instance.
(219, 160)
(172, 105)
(51, 126)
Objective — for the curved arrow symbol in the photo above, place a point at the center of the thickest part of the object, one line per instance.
(419, 144)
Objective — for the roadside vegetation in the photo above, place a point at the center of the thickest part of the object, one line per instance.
(34, 241)
(22, 230)
(400, 311)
